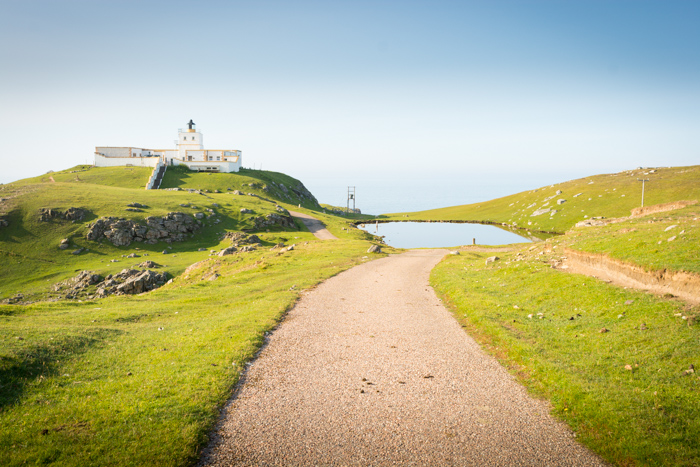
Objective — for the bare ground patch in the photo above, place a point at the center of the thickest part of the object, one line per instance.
(681, 284)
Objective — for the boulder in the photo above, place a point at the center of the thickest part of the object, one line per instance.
(228, 251)
(63, 245)
(492, 259)
(374, 249)
(139, 282)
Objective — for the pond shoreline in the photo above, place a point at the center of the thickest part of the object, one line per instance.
(443, 221)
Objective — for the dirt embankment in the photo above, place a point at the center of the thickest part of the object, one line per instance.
(681, 284)
(645, 210)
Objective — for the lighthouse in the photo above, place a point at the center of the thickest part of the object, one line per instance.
(190, 152)
(189, 139)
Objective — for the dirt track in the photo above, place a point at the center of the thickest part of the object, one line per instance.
(315, 226)
(370, 369)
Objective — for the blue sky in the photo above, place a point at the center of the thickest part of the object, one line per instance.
(558, 89)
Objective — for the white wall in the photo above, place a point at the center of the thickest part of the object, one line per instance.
(223, 166)
(102, 161)
(114, 152)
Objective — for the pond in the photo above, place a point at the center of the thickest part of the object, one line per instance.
(441, 234)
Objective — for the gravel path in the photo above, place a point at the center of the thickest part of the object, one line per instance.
(370, 369)
(314, 225)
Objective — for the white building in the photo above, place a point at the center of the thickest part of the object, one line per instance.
(190, 152)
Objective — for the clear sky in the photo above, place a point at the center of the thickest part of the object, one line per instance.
(317, 88)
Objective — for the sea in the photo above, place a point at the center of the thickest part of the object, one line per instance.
(383, 194)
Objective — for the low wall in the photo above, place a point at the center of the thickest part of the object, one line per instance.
(102, 161)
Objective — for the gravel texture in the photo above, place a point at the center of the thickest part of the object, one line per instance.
(314, 225)
(369, 368)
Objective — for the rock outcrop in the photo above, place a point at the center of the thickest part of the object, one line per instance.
(173, 227)
(127, 282)
(71, 214)
(299, 190)
(135, 282)
(539, 212)
(241, 238)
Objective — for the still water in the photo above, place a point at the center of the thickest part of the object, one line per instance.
(441, 235)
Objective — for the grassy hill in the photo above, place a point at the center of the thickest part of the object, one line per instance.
(135, 380)
(609, 195)
(29, 247)
(264, 183)
(617, 364)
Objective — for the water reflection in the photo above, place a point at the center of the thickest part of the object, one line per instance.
(443, 234)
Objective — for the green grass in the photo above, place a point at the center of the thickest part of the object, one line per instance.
(124, 177)
(609, 195)
(647, 416)
(645, 240)
(260, 182)
(139, 380)
(29, 250)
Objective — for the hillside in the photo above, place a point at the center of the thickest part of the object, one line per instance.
(139, 378)
(609, 195)
(29, 247)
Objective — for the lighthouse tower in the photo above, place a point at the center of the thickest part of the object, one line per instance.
(189, 139)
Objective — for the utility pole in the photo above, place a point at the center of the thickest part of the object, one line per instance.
(643, 180)
(351, 196)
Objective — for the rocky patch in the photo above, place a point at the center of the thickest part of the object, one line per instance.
(127, 282)
(241, 238)
(298, 190)
(17, 298)
(71, 214)
(173, 227)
